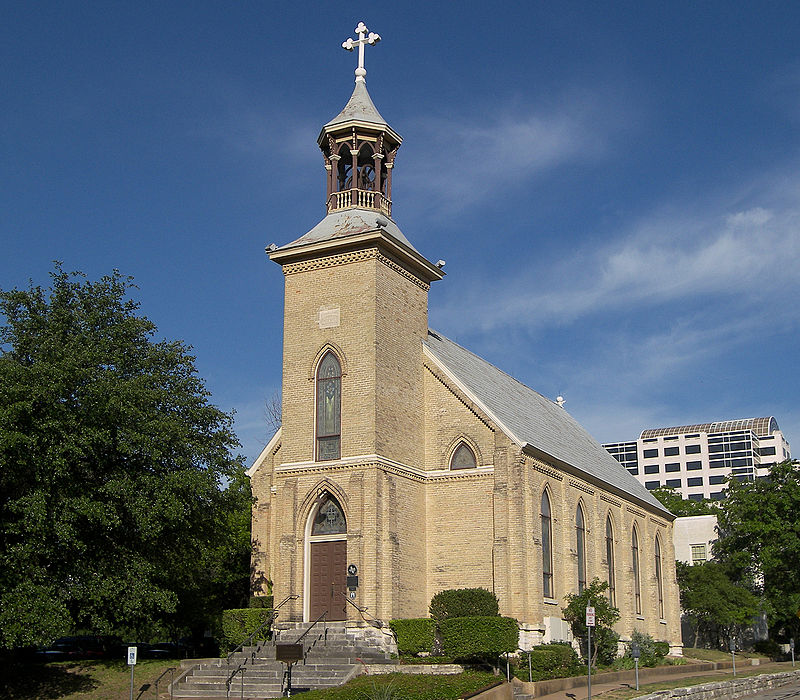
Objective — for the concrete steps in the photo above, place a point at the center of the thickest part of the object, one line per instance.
(332, 655)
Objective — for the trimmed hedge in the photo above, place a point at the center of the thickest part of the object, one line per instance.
(239, 623)
(556, 660)
(414, 635)
(260, 601)
(481, 636)
(463, 602)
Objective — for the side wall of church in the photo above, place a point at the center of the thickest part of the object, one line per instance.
(262, 516)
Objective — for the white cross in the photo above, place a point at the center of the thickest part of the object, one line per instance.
(363, 38)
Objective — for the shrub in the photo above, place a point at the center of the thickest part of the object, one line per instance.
(768, 647)
(479, 636)
(463, 602)
(556, 660)
(239, 623)
(414, 636)
(649, 651)
(606, 641)
(260, 601)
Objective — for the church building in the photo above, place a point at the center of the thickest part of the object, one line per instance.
(406, 464)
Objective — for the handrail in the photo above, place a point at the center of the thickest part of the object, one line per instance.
(363, 611)
(171, 670)
(311, 626)
(273, 616)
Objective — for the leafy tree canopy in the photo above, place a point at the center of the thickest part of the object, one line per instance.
(760, 540)
(677, 505)
(113, 516)
(717, 607)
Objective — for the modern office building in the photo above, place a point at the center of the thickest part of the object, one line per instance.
(697, 459)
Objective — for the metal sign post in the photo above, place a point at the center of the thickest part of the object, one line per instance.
(636, 653)
(590, 621)
(132, 662)
(791, 647)
(733, 654)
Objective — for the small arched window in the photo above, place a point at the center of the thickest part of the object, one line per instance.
(612, 578)
(463, 457)
(329, 519)
(547, 547)
(329, 408)
(637, 588)
(580, 546)
(659, 579)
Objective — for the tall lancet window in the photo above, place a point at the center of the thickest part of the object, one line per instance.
(659, 580)
(547, 547)
(637, 586)
(580, 545)
(329, 408)
(612, 577)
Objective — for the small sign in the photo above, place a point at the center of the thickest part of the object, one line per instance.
(352, 582)
(590, 616)
(635, 652)
(791, 644)
(352, 595)
(352, 570)
(132, 656)
(288, 653)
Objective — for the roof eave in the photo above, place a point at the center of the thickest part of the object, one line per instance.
(532, 451)
(358, 124)
(424, 268)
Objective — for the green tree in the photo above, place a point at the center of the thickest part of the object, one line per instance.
(606, 615)
(760, 541)
(677, 505)
(716, 607)
(114, 515)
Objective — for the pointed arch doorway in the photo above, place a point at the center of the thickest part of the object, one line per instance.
(326, 558)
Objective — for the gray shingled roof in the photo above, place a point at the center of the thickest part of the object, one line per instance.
(534, 419)
(359, 108)
(348, 222)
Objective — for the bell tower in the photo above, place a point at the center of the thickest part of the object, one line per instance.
(355, 319)
(359, 146)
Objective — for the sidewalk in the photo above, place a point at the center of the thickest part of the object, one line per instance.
(606, 682)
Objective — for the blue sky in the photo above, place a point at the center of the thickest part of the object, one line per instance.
(615, 186)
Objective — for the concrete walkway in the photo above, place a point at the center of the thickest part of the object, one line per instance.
(606, 682)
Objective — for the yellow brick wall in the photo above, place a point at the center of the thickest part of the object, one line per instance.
(413, 527)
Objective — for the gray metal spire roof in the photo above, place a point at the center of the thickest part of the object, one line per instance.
(359, 108)
(535, 420)
(348, 222)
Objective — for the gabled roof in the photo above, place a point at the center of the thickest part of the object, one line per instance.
(535, 422)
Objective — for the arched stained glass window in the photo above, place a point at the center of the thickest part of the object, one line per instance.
(329, 519)
(547, 547)
(329, 408)
(612, 578)
(637, 588)
(659, 580)
(463, 458)
(580, 545)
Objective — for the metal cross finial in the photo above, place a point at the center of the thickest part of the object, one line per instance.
(363, 38)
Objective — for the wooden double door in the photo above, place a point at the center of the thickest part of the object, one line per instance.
(328, 580)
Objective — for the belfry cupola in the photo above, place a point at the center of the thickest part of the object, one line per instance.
(359, 146)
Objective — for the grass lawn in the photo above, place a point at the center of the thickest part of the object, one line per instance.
(644, 689)
(717, 655)
(401, 686)
(82, 680)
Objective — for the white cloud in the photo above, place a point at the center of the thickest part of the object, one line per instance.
(513, 145)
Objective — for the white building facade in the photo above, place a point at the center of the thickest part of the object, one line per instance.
(696, 460)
